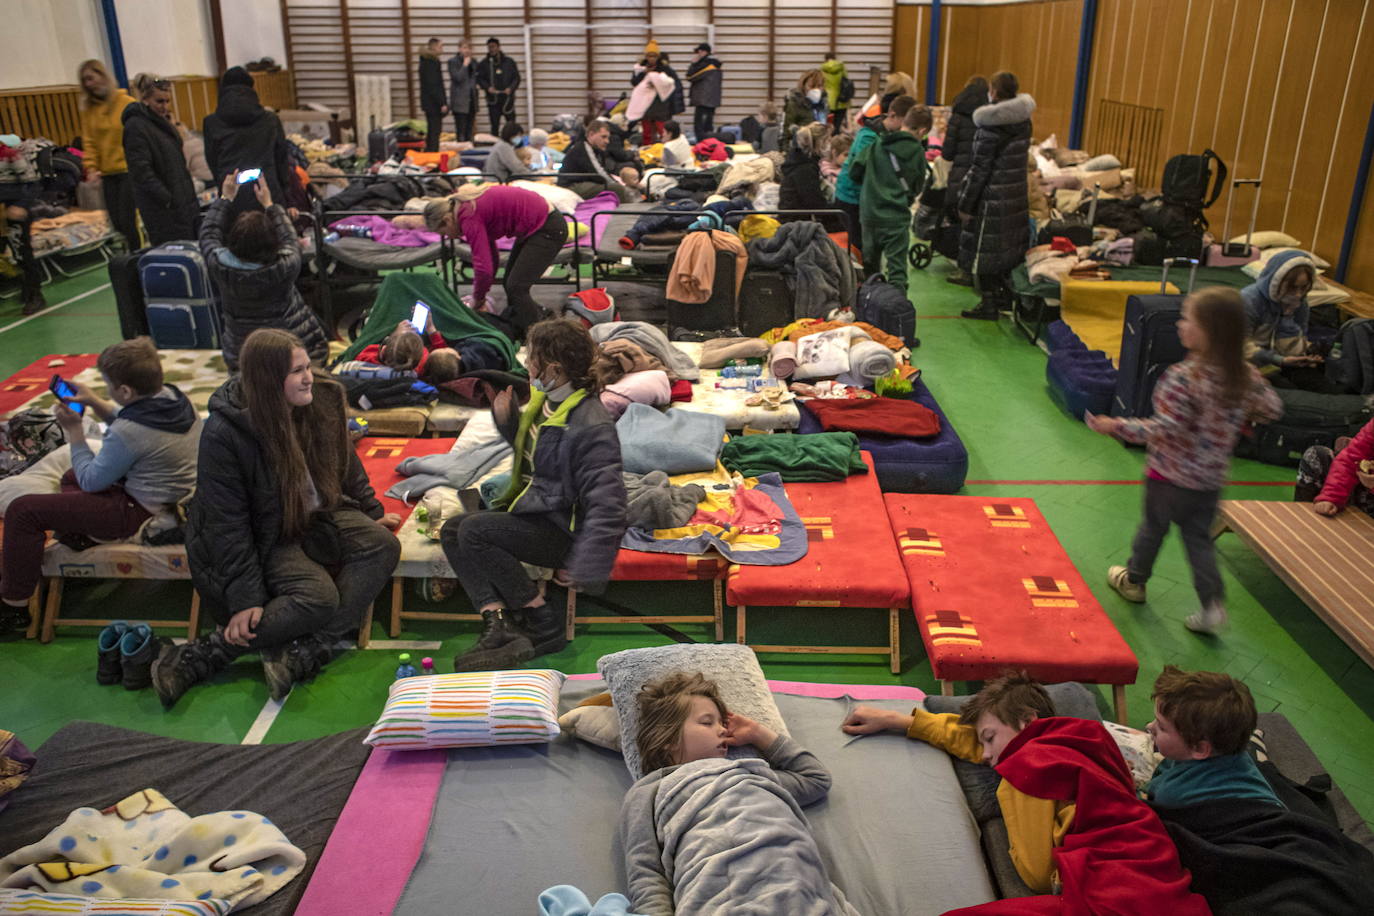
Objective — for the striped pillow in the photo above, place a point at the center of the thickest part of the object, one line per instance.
(41, 903)
(473, 709)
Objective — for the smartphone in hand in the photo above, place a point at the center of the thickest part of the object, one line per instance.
(420, 318)
(249, 175)
(65, 393)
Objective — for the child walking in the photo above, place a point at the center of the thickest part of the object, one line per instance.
(892, 173)
(704, 834)
(1200, 406)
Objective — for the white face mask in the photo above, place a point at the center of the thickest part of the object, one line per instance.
(991, 98)
(814, 95)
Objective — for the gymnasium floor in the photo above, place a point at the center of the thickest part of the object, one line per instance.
(990, 383)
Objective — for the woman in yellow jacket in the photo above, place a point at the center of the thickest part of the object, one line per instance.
(102, 142)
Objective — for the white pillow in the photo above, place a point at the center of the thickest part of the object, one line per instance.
(470, 709)
(1138, 748)
(599, 725)
(1255, 268)
(734, 668)
(1101, 163)
(1269, 239)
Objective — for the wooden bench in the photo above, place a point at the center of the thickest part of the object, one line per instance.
(1359, 305)
(1327, 562)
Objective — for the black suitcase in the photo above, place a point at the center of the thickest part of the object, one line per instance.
(127, 284)
(1149, 345)
(715, 314)
(376, 143)
(1309, 418)
(765, 302)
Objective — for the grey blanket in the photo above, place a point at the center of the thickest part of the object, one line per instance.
(480, 448)
(719, 835)
(818, 272)
(653, 341)
(655, 503)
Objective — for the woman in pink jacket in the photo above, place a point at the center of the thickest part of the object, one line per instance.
(1333, 480)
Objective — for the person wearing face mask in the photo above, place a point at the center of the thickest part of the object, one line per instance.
(482, 214)
(805, 104)
(504, 161)
(102, 141)
(163, 189)
(564, 508)
(1276, 318)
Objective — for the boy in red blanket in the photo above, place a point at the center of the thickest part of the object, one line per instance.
(1079, 834)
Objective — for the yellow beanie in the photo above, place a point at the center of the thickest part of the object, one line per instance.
(651, 47)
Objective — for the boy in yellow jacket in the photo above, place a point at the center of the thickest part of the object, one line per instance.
(979, 734)
(102, 145)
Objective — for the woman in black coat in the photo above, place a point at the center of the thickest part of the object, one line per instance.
(255, 259)
(287, 543)
(992, 196)
(163, 190)
(241, 134)
(957, 150)
(801, 186)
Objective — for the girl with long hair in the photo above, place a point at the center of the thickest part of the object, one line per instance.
(564, 508)
(287, 543)
(1200, 406)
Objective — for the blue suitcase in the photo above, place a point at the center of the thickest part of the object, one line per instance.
(183, 326)
(1149, 346)
(182, 310)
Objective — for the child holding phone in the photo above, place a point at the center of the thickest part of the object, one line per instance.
(431, 357)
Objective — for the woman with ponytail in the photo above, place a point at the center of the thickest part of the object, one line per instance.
(564, 508)
(287, 543)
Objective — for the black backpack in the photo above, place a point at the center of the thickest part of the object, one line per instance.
(1351, 362)
(888, 309)
(1186, 178)
(846, 93)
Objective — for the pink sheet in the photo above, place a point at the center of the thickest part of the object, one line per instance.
(386, 233)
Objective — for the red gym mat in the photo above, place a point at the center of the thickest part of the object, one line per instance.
(380, 457)
(32, 381)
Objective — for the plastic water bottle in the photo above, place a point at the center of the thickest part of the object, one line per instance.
(741, 370)
(332, 237)
(427, 665)
(405, 668)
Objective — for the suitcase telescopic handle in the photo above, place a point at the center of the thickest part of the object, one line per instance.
(1170, 262)
(1092, 207)
(1240, 251)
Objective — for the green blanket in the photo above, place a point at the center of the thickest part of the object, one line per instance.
(1233, 277)
(797, 459)
(396, 302)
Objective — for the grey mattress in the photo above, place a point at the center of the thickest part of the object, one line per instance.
(621, 221)
(302, 785)
(365, 254)
(463, 252)
(510, 822)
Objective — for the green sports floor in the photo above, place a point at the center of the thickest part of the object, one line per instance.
(990, 382)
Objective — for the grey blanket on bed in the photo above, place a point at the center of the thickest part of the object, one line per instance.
(721, 835)
(818, 272)
(652, 341)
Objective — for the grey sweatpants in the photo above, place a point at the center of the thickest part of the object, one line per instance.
(1192, 511)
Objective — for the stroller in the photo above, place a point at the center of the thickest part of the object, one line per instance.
(926, 225)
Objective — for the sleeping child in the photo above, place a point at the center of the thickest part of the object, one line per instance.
(706, 834)
(442, 361)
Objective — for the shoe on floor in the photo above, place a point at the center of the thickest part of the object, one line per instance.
(286, 665)
(545, 626)
(179, 668)
(35, 304)
(137, 650)
(108, 669)
(1119, 578)
(960, 278)
(984, 312)
(13, 619)
(501, 645)
(1209, 621)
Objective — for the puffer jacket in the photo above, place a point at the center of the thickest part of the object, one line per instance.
(957, 148)
(705, 76)
(163, 190)
(256, 296)
(241, 134)
(235, 520)
(575, 480)
(994, 189)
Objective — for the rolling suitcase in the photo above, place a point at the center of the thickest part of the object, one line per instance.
(181, 310)
(1149, 345)
(376, 143)
(1226, 254)
(128, 293)
(765, 302)
(1309, 418)
(717, 313)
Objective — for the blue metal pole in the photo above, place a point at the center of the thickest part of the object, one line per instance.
(1086, 32)
(933, 52)
(116, 46)
(1352, 219)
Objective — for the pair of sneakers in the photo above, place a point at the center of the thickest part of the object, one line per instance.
(1211, 619)
(125, 654)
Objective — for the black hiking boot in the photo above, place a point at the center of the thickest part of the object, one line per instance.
(137, 650)
(546, 625)
(108, 669)
(295, 662)
(987, 310)
(179, 668)
(501, 645)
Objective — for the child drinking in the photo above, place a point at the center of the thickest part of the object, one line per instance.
(1200, 406)
(704, 834)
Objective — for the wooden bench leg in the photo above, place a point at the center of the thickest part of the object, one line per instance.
(1119, 701)
(1219, 527)
(396, 588)
(572, 614)
(53, 606)
(365, 629)
(894, 639)
(193, 622)
(946, 688)
(716, 589)
(739, 626)
(35, 611)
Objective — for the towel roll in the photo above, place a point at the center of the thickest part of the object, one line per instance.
(719, 351)
(870, 360)
(782, 362)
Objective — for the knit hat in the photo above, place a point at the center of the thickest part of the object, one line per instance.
(235, 76)
(703, 47)
(651, 47)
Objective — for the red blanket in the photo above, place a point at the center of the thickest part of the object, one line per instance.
(1117, 859)
(876, 416)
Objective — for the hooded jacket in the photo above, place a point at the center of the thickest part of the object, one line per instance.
(102, 133)
(834, 72)
(893, 172)
(462, 85)
(798, 111)
(575, 478)
(235, 520)
(993, 190)
(241, 134)
(847, 188)
(705, 76)
(163, 190)
(957, 147)
(150, 448)
(497, 72)
(1270, 334)
(256, 296)
(432, 95)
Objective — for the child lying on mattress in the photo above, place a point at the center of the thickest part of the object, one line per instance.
(704, 834)
(442, 361)
(1075, 824)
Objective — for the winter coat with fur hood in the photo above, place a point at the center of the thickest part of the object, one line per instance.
(994, 189)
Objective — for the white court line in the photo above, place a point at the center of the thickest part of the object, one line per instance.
(264, 721)
(52, 308)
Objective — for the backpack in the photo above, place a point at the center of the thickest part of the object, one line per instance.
(887, 308)
(846, 93)
(26, 437)
(1172, 220)
(1186, 178)
(1351, 362)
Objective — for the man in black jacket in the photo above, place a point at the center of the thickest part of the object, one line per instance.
(498, 78)
(433, 98)
(705, 76)
(588, 156)
(241, 134)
